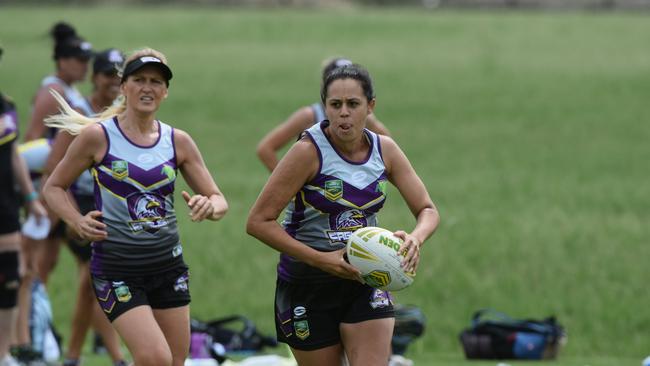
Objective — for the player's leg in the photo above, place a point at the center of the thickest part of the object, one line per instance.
(175, 325)
(143, 337)
(368, 342)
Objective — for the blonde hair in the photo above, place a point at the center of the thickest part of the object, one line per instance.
(74, 122)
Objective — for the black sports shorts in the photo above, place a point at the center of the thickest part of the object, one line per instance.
(308, 316)
(9, 279)
(161, 291)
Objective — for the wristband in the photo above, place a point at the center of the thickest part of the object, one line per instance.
(31, 196)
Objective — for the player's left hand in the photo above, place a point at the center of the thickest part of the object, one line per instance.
(410, 249)
(200, 206)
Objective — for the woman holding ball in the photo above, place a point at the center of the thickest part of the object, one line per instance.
(332, 182)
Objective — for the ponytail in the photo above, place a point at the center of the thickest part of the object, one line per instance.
(74, 122)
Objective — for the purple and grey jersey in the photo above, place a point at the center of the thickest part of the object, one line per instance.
(134, 189)
(343, 196)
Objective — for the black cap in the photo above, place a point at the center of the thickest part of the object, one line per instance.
(137, 64)
(73, 47)
(108, 61)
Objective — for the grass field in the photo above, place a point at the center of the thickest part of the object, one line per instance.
(527, 128)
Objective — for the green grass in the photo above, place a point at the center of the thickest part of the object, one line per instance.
(527, 128)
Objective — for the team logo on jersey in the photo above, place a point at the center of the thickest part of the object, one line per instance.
(169, 172)
(381, 187)
(333, 189)
(344, 224)
(145, 158)
(147, 212)
(120, 169)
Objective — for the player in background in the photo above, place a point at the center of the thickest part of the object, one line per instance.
(106, 88)
(302, 119)
(71, 55)
(12, 172)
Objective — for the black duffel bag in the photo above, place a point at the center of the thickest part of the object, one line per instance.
(494, 335)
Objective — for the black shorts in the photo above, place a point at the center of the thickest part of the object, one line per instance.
(79, 247)
(308, 316)
(9, 279)
(162, 291)
(9, 222)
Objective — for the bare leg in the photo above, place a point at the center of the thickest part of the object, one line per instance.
(143, 337)
(328, 356)
(175, 325)
(46, 256)
(368, 342)
(7, 321)
(107, 332)
(82, 313)
(25, 291)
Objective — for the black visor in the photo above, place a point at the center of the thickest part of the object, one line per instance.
(139, 62)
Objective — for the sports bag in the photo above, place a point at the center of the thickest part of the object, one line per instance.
(235, 333)
(495, 335)
(410, 323)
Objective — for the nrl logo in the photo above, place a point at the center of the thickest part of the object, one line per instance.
(333, 189)
(120, 169)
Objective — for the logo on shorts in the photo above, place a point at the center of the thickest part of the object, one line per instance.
(120, 169)
(333, 189)
(122, 291)
(12, 285)
(181, 283)
(301, 328)
(379, 299)
(299, 312)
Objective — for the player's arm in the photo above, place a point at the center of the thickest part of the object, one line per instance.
(281, 135)
(62, 141)
(44, 105)
(403, 176)
(32, 204)
(376, 126)
(298, 166)
(208, 202)
(86, 149)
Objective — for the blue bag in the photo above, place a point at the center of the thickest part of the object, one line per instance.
(494, 335)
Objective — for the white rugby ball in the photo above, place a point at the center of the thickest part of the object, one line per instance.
(375, 252)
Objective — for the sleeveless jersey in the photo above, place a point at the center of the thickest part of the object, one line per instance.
(319, 112)
(9, 205)
(71, 95)
(84, 184)
(134, 189)
(342, 197)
